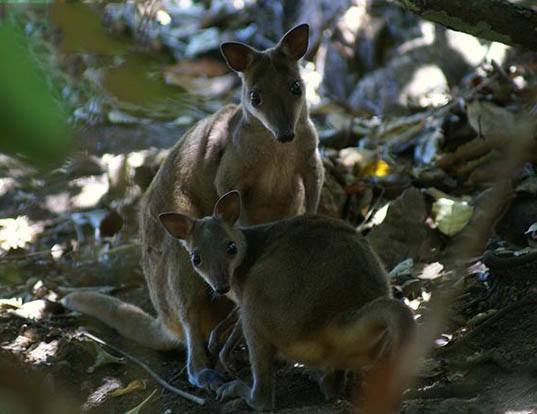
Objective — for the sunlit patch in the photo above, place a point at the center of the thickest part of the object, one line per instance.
(58, 203)
(520, 412)
(428, 86)
(380, 215)
(163, 18)
(17, 232)
(312, 79)
(43, 352)
(93, 189)
(238, 4)
(352, 19)
(6, 184)
(57, 251)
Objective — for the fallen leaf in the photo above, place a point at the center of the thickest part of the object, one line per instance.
(133, 386)
(379, 168)
(403, 268)
(451, 215)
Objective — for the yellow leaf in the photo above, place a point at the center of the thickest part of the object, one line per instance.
(133, 386)
(378, 168)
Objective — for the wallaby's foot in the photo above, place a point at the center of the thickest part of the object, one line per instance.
(235, 406)
(332, 384)
(238, 389)
(207, 378)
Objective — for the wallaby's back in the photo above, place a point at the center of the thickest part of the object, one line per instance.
(314, 268)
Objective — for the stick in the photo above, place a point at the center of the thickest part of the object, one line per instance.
(153, 374)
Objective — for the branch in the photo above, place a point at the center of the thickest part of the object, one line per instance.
(496, 20)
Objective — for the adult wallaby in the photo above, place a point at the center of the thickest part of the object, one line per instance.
(308, 287)
(266, 147)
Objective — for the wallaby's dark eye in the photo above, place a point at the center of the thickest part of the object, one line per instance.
(231, 248)
(296, 88)
(255, 99)
(196, 258)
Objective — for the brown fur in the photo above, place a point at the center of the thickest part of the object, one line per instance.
(236, 148)
(308, 287)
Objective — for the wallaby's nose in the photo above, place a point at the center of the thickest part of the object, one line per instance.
(222, 290)
(286, 136)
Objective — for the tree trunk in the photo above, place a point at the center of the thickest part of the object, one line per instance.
(497, 20)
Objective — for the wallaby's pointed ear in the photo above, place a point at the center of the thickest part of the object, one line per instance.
(295, 42)
(238, 55)
(177, 225)
(228, 207)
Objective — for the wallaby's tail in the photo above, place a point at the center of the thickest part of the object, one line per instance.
(129, 320)
(378, 331)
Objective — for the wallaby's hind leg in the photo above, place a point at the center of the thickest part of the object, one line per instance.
(261, 395)
(129, 320)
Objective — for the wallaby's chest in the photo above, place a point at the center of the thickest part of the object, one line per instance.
(274, 191)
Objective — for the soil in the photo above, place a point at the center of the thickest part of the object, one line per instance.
(487, 368)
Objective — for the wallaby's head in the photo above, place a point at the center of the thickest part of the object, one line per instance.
(272, 89)
(215, 245)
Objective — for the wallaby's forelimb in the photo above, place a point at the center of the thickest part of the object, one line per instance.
(129, 320)
(234, 338)
(197, 365)
(219, 335)
(261, 395)
(313, 177)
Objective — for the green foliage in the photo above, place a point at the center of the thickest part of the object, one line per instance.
(33, 122)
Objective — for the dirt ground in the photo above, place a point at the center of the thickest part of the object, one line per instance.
(487, 367)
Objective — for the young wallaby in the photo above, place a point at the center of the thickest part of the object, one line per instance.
(266, 147)
(309, 287)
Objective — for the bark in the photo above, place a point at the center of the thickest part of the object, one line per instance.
(497, 20)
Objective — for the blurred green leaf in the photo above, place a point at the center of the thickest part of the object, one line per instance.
(33, 123)
(82, 30)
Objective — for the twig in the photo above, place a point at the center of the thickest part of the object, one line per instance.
(153, 374)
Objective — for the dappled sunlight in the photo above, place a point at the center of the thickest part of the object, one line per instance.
(92, 189)
(17, 232)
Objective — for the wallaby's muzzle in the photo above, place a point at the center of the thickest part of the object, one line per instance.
(286, 136)
(220, 283)
(222, 290)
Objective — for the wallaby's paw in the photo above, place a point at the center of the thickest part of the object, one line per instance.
(235, 406)
(207, 378)
(233, 389)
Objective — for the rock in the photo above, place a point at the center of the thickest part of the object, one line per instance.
(333, 196)
(403, 232)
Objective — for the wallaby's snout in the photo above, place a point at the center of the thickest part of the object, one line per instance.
(286, 135)
(221, 283)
